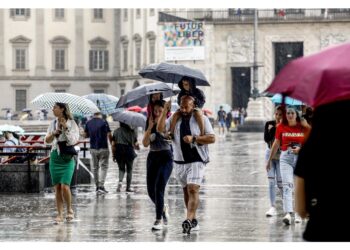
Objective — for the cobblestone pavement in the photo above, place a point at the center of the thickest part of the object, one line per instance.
(234, 199)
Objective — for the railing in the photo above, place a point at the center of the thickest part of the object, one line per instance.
(247, 15)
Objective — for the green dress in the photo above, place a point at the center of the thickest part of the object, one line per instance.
(61, 168)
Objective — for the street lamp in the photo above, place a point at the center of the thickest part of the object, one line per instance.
(255, 92)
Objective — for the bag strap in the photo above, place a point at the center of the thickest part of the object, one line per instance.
(14, 143)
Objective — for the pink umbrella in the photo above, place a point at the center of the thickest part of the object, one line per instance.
(317, 79)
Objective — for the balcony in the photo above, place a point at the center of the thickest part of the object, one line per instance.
(264, 15)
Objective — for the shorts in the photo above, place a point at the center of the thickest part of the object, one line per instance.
(189, 173)
(222, 123)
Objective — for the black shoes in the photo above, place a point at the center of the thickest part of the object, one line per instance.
(186, 226)
(101, 190)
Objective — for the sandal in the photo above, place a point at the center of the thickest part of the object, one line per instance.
(70, 216)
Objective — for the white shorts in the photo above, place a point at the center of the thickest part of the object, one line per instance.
(190, 173)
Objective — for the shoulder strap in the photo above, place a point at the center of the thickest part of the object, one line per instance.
(13, 142)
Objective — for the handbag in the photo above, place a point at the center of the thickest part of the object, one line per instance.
(66, 149)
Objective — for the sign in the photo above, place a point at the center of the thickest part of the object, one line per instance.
(184, 41)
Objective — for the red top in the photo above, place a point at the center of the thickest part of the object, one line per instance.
(287, 135)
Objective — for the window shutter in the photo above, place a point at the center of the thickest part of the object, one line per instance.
(27, 12)
(12, 12)
(106, 60)
(91, 60)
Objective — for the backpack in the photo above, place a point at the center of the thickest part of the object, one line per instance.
(19, 159)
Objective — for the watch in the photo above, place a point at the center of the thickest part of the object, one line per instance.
(194, 139)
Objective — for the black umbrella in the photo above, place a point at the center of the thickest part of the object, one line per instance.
(173, 73)
(140, 95)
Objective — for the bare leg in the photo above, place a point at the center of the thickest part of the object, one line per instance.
(193, 201)
(59, 202)
(185, 196)
(68, 199)
(176, 117)
(198, 115)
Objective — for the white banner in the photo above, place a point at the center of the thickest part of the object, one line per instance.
(184, 53)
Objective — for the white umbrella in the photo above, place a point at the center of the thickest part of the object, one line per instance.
(106, 103)
(76, 104)
(11, 128)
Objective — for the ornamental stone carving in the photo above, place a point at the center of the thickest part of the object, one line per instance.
(240, 49)
(332, 39)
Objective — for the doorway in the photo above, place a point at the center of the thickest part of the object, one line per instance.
(285, 52)
(241, 87)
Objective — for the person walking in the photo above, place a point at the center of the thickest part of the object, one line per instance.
(159, 165)
(191, 154)
(273, 172)
(97, 129)
(221, 118)
(322, 175)
(62, 129)
(228, 120)
(124, 141)
(289, 138)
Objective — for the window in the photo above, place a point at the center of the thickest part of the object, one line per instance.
(138, 56)
(125, 14)
(122, 89)
(99, 91)
(59, 14)
(60, 90)
(125, 58)
(21, 99)
(20, 14)
(152, 51)
(138, 13)
(151, 12)
(60, 59)
(98, 14)
(98, 60)
(20, 59)
(59, 53)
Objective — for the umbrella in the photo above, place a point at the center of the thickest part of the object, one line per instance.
(75, 103)
(173, 73)
(134, 108)
(131, 118)
(11, 128)
(140, 95)
(277, 98)
(106, 103)
(316, 79)
(26, 110)
(207, 111)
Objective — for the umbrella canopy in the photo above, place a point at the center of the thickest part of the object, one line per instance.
(26, 110)
(106, 103)
(133, 119)
(277, 98)
(140, 95)
(134, 108)
(75, 103)
(317, 79)
(11, 128)
(173, 73)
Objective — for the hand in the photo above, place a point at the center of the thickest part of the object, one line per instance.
(62, 121)
(150, 123)
(295, 150)
(167, 106)
(188, 139)
(268, 165)
(270, 126)
(137, 146)
(56, 132)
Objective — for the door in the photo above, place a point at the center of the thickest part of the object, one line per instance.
(241, 87)
(285, 52)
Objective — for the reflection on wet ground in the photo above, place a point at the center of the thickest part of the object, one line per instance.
(234, 199)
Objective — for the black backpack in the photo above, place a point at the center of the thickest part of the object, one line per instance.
(19, 159)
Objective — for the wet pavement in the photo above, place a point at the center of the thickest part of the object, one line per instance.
(233, 202)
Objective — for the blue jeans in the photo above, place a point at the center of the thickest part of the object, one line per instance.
(273, 175)
(287, 165)
(159, 167)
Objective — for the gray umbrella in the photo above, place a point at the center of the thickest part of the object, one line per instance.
(131, 118)
(168, 72)
(140, 95)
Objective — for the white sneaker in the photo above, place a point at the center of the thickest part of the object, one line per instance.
(297, 218)
(157, 225)
(287, 219)
(272, 212)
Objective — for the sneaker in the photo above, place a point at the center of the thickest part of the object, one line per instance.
(119, 187)
(165, 214)
(195, 226)
(157, 225)
(272, 211)
(297, 218)
(186, 226)
(129, 190)
(103, 190)
(287, 219)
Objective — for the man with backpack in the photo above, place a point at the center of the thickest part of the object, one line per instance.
(12, 139)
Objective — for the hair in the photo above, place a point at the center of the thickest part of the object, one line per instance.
(66, 112)
(190, 80)
(151, 95)
(284, 119)
(188, 98)
(124, 125)
(159, 103)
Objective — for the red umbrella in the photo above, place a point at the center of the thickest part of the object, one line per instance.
(208, 111)
(317, 79)
(134, 108)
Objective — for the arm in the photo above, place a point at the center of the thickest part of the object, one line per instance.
(273, 151)
(200, 98)
(269, 132)
(300, 205)
(71, 131)
(200, 139)
(110, 138)
(49, 134)
(146, 136)
(161, 120)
